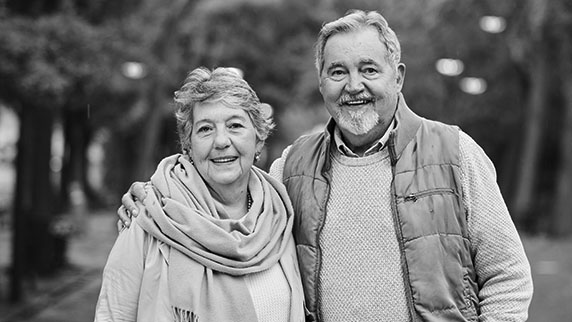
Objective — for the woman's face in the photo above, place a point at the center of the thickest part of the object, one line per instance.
(223, 145)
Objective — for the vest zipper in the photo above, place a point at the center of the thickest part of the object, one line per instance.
(398, 232)
(412, 197)
(319, 247)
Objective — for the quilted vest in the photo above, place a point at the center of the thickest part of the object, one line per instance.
(428, 213)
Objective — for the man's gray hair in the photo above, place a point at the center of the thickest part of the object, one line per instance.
(355, 20)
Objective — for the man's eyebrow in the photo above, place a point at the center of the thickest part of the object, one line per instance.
(334, 65)
(367, 61)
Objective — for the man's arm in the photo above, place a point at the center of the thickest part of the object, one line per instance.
(277, 168)
(503, 270)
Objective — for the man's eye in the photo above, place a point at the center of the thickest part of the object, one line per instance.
(337, 74)
(370, 71)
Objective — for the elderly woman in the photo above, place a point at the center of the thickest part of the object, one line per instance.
(215, 242)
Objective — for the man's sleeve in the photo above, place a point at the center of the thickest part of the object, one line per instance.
(277, 168)
(503, 270)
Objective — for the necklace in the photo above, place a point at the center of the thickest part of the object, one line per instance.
(248, 200)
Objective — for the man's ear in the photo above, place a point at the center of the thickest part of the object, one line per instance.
(400, 75)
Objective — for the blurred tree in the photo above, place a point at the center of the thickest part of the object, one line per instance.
(50, 60)
(146, 131)
(166, 65)
(539, 40)
(563, 204)
(529, 48)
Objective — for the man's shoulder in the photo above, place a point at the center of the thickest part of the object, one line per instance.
(306, 138)
(440, 125)
(277, 167)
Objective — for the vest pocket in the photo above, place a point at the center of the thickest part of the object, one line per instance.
(436, 211)
(413, 197)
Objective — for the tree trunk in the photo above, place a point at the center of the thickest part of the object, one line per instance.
(562, 223)
(529, 49)
(156, 94)
(149, 138)
(34, 247)
(76, 134)
(531, 138)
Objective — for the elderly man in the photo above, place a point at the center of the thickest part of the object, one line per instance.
(398, 218)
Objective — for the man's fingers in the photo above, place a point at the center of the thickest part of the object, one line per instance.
(120, 225)
(124, 215)
(129, 206)
(138, 191)
(128, 203)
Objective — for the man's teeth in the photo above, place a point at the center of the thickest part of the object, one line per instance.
(358, 102)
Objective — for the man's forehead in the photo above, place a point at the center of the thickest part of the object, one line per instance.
(358, 47)
(358, 62)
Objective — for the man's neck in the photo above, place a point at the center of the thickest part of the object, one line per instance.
(359, 144)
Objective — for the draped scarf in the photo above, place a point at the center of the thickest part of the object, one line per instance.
(209, 252)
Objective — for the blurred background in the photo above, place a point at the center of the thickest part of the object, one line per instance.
(85, 109)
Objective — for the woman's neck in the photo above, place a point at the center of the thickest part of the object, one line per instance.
(234, 201)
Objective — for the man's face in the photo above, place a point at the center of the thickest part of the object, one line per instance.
(359, 86)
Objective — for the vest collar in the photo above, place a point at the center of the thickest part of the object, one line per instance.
(407, 125)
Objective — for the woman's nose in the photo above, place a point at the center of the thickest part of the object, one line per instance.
(222, 139)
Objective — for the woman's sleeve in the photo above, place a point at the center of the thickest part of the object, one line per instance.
(122, 276)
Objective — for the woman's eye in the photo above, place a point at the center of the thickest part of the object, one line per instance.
(236, 126)
(203, 129)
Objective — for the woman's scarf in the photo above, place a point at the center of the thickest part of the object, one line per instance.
(210, 252)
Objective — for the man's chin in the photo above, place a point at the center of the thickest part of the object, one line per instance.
(357, 127)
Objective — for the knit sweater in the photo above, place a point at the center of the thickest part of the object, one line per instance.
(361, 277)
(361, 208)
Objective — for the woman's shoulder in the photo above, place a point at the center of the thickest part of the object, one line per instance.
(134, 239)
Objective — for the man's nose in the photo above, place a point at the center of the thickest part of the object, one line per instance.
(355, 83)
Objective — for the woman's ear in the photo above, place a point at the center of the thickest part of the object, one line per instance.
(400, 75)
(259, 146)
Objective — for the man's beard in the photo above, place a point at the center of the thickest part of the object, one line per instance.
(358, 122)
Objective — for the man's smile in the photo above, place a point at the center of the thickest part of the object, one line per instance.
(356, 101)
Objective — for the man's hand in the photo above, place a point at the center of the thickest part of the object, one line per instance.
(130, 203)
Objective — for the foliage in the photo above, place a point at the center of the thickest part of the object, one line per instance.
(48, 61)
